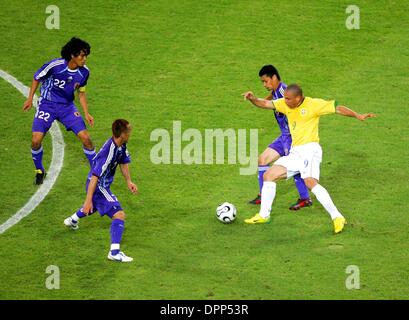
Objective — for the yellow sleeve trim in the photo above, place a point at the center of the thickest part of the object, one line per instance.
(82, 89)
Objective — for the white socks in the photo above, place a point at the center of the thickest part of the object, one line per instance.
(324, 198)
(268, 194)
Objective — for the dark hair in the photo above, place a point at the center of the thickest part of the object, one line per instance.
(74, 47)
(269, 70)
(295, 89)
(119, 126)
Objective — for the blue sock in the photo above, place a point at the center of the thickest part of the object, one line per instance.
(117, 229)
(89, 154)
(261, 170)
(37, 156)
(301, 187)
(78, 215)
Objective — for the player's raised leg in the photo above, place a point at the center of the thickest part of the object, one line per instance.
(275, 173)
(266, 157)
(87, 145)
(73, 121)
(117, 229)
(325, 199)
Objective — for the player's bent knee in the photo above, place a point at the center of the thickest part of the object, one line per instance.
(119, 215)
(35, 145)
(270, 176)
(85, 139)
(310, 182)
(88, 144)
(261, 161)
(275, 173)
(36, 141)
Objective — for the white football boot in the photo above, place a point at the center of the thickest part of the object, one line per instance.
(71, 223)
(120, 257)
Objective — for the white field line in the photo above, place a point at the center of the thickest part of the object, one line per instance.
(53, 171)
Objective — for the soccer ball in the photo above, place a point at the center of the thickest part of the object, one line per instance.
(226, 212)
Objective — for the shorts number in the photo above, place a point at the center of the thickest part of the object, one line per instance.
(43, 115)
(59, 83)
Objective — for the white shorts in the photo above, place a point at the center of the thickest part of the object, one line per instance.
(304, 159)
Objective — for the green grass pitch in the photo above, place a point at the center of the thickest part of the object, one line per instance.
(154, 62)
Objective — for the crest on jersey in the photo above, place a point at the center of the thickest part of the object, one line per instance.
(69, 79)
(303, 112)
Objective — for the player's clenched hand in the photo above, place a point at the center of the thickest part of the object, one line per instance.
(364, 116)
(87, 207)
(132, 187)
(90, 119)
(248, 95)
(27, 104)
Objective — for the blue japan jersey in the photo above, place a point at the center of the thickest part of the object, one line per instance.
(106, 160)
(58, 82)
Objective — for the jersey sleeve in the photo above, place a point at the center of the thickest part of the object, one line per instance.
(323, 107)
(46, 70)
(83, 83)
(280, 105)
(126, 157)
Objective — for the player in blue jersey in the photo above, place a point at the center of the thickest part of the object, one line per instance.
(59, 79)
(99, 196)
(281, 146)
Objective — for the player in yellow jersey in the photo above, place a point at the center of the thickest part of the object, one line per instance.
(305, 156)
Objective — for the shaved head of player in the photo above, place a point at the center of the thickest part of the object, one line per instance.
(293, 96)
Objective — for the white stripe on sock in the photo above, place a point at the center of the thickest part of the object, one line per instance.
(87, 151)
(75, 217)
(37, 151)
(114, 246)
(263, 168)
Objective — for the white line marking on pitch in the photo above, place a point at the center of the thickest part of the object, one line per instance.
(53, 171)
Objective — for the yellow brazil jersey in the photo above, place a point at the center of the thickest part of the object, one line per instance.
(303, 120)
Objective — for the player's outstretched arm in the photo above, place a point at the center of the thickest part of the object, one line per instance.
(87, 207)
(125, 172)
(344, 111)
(29, 102)
(261, 103)
(84, 104)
